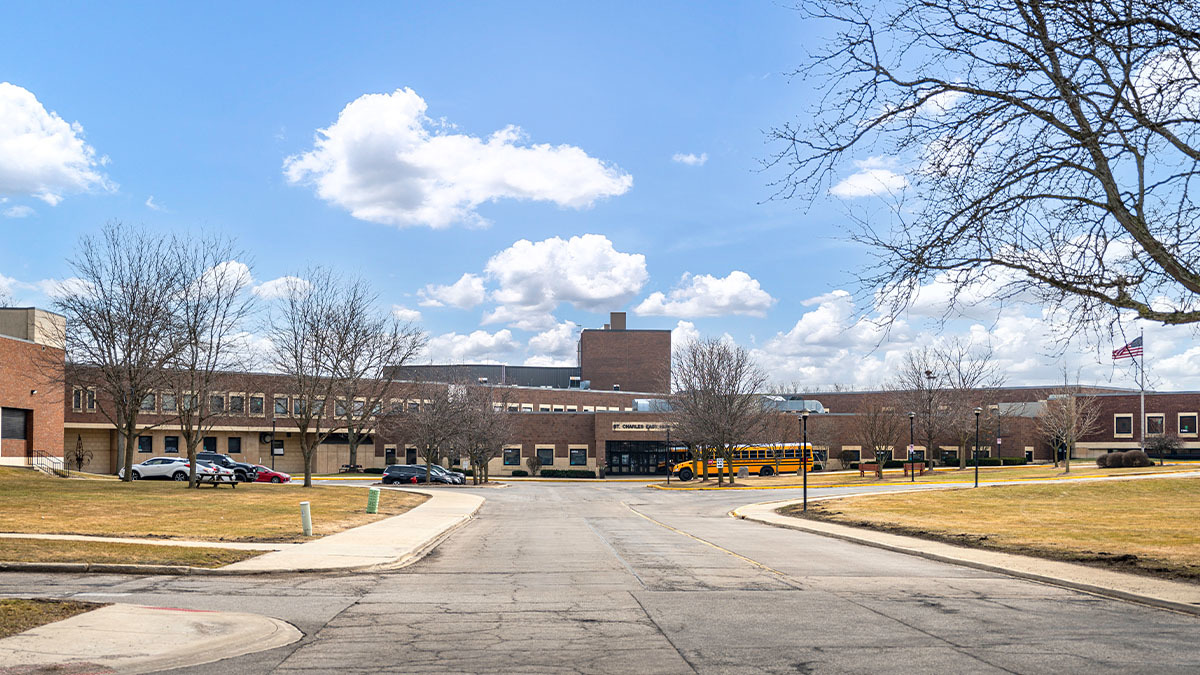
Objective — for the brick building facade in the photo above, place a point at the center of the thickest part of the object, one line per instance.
(31, 409)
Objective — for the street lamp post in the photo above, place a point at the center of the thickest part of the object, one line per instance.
(668, 462)
(912, 447)
(977, 413)
(272, 445)
(804, 454)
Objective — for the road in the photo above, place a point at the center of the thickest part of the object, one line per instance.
(618, 578)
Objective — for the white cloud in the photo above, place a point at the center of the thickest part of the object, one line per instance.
(405, 314)
(41, 154)
(385, 161)
(478, 347)
(20, 211)
(874, 177)
(154, 206)
(465, 293)
(55, 289)
(533, 278)
(690, 159)
(684, 333)
(557, 344)
(706, 295)
(277, 289)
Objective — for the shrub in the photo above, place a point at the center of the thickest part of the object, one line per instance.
(374, 470)
(1137, 458)
(1102, 460)
(533, 463)
(520, 472)
(1014, 461)
(568, 473)
(985, 461)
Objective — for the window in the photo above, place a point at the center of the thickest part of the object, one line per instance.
(512, 457)
(544, 407)
(558, 408)
(281, 405)
(1123, 426)
(210, 443)
(545, 456)
(1155, 425)
(1187, 424)
(168, 403)
(358, 407)
(339, 408)
(318, 407)
(414, 406)
(514, 407)
(14, 423)
(146, 444)
(189, 402)
(77, 400)
(297, 406)
(256, 404)
(148, 402)
(234, 445)
(91, 399)
(572, 408)
(578, 456)
(216, 404)
(526, 407)
(171, 444)
(237, 404)
(588, 408)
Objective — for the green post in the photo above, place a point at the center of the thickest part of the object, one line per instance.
(373, 500)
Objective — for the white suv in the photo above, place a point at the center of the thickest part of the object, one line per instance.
(173, 468)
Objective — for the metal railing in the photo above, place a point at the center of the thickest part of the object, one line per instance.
(46, 462)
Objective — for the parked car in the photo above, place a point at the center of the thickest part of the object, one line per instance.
(219, 471)
(172, 468)
(403, 473)
(244, 472)
(452, 477)
(266, 475)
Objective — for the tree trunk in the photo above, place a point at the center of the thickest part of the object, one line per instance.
(130, 441)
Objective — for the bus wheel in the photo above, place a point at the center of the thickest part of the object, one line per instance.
(685, 474)
(766, 471)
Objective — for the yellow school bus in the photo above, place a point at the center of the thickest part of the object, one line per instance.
(759, 459)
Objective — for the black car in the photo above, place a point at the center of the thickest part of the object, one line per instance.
(242, 471)
(403, 473)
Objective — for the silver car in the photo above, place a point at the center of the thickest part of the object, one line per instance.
(171, 468)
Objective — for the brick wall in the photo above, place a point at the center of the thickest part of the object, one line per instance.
(638, 360)
(26, 367)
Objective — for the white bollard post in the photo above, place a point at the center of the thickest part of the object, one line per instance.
(306, 519)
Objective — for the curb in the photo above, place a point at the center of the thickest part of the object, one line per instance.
(941, 482)
(803, 526)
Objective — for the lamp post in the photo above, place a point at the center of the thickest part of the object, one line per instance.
(977, 413)
(272, 444)
(804, 454)
(668, 462)
(912, 445)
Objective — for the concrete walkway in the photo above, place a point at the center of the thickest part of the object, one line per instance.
(393, 542)
(236, 545)
(133, 639)
(1174, 595)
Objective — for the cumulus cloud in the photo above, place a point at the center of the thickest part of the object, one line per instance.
(705, 295)
(19, 211)
(874, 177)
(465, 293)
(478, 347)
(556, 344)
(533, 278)
(41, 155)
(405, 314)
(385, 161)
(684, 333)
(690, 159)
(277, 289)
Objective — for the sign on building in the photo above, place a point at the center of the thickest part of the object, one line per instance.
(639, 426)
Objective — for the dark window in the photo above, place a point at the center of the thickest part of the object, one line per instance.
(1154, 425)
(91, 399)
(1123, 424)
(189, 401)
(171, 444)
(1187, 424)
(512, 457)
(168, 403)
(280, 405)
(237, 404)
(216, 404)
(77, 399)
(578, 456)
(297, 406)
(339, 409)
(256, 405)
(148, 402)
(546, 456)
(145, 444)
(210, 443)
(14, 423)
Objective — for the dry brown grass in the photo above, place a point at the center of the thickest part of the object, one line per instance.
(1139, 525)
(31, 502)
(18, 616)
(49, 550)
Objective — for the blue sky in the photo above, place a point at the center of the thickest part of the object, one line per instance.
(641, 134)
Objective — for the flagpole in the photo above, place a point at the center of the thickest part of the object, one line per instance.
(1142, 387)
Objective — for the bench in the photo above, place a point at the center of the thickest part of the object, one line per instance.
(873, 468)
(350, 468)
(215, 481)
(917, 466)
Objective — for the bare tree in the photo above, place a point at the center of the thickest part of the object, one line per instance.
(487, 427)
(212, 307)
(366, 344)
(1042, 148)
(122, 327)
(972, 379)
(878, 427)
(922, 387)
(716, 398)
(1068, 415)
(433, 422)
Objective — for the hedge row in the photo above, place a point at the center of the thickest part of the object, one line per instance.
(890, 464)
(566, 473)
(1114, 460)
(520, 472)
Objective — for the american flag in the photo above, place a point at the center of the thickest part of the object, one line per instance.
(1129, 351)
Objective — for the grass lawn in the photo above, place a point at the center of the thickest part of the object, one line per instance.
(18, 616)
(31, 502)
(1079, 469)
(49, 550)
(1135, 525)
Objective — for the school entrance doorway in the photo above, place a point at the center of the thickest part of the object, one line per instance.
(638, 457)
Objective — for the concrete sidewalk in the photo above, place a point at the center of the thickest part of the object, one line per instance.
(1174, 595)
(385, 544)
(133, 639)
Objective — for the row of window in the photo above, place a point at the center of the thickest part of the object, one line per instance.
(559, 408)
(577, 456)
(1156, 424)
(233, 444)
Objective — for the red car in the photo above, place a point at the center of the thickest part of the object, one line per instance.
(266, 475)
